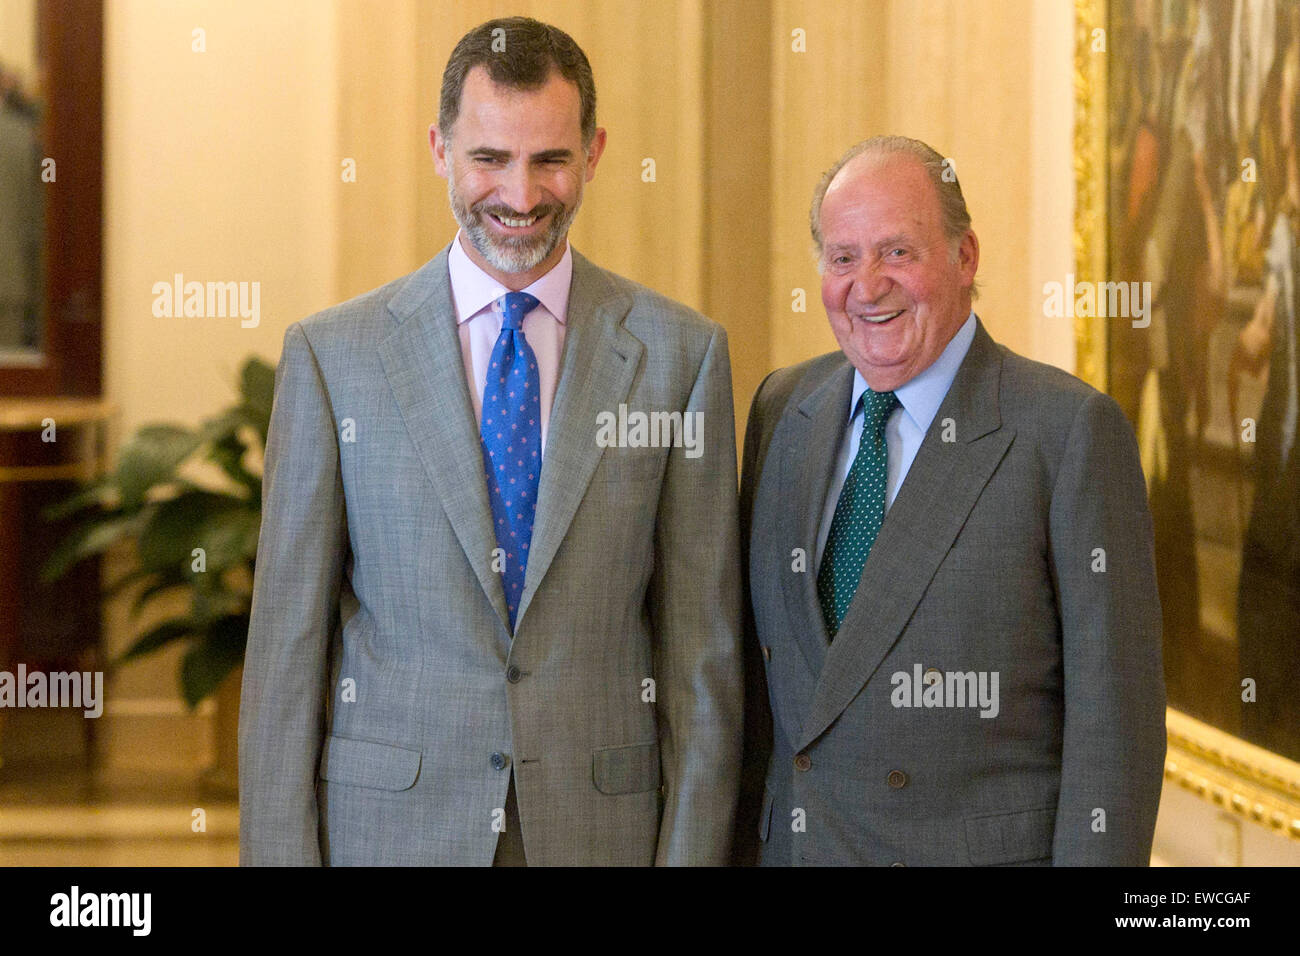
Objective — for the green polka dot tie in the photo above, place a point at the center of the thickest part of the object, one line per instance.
(858, 514)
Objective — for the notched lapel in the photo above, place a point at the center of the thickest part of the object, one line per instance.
(941, 488)
(598, 366)
(809, 447)
(426, 372)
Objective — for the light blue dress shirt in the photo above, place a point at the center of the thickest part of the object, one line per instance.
(919, 401)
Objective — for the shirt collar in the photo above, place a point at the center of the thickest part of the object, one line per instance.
(473, 290)
(923, 394)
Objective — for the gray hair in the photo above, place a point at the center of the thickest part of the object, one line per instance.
(956, 218)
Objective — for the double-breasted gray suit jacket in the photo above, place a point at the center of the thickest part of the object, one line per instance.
(987, 561)
(385, 703)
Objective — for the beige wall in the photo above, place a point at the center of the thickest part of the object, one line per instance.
(957, 74)
(740, 127)
(220, 165)
(18, 41)
(227, 165)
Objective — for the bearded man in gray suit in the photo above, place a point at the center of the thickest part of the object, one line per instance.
(953, 645)
(490, 625)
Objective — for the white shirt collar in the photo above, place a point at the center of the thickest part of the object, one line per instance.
(473, 290)
(922, 395)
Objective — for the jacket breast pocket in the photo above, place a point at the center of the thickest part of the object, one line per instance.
(630, 769)
(367, 763)
(1011, 837)
(620, 465)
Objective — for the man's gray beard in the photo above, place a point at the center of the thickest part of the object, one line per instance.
(513, 255)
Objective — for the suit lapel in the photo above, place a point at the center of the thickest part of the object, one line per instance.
(423, 362)
(809, 452)
(599, 363)
(941, 488)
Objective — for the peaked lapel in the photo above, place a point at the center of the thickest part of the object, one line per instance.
(423, 362)
(941, 488)
(599, 362)
(808, 456)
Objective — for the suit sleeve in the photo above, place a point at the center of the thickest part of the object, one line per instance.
(758, 714)
(1114, 736)
(300, 559)
(695, 608)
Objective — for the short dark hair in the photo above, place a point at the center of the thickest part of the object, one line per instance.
(521, 56)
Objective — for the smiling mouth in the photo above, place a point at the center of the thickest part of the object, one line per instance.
(881, 317)
(520, 222)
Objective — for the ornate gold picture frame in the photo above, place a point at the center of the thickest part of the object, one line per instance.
(1231, 773)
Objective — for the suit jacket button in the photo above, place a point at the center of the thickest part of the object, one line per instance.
(803, 762)
(513, 674)
(898, 864)
(499, 760)
(897, 779)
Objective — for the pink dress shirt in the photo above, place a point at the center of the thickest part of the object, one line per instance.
(474, 293)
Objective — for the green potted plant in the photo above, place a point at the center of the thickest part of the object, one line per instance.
(187, 536)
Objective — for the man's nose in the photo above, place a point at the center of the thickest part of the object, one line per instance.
(870, 284)
(520, 190)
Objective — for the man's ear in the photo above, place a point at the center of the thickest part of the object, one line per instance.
(438, 145)
(594, 150)
(968, 256)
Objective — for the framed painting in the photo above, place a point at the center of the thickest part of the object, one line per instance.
(1187, 175)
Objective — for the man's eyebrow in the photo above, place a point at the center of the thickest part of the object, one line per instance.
(841, 247)
(547, 154)
(899, 239)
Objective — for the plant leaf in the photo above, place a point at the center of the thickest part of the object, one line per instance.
(230, 538)
(207, 663)
(229, 453)
(160, 636)
(166, 582)
(176, 528)
(257, 388)
(94, 493)
(92, 537)
(210, 604)
(127, 579)
(151, 458)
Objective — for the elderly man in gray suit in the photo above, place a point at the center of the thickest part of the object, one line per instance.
(954, 644)
(496, 618)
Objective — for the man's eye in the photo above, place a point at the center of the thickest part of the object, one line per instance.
(487, 160)
(841, 260)
(897, 253)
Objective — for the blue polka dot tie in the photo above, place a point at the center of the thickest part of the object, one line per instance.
(858, 514)
(511, 434)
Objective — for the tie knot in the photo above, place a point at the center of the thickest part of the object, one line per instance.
(876, 408)
(514, 306)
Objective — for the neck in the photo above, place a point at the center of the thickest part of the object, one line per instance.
(517, 281)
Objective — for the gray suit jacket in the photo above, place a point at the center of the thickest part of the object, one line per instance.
(985, 562)
(385, 704)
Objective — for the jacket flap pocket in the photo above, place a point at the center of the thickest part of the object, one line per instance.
(630, 769)
(1011, 837)
(366, 763)
(765, 816)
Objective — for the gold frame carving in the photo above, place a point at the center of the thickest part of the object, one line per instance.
(1090, 180)
(1238, 777)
